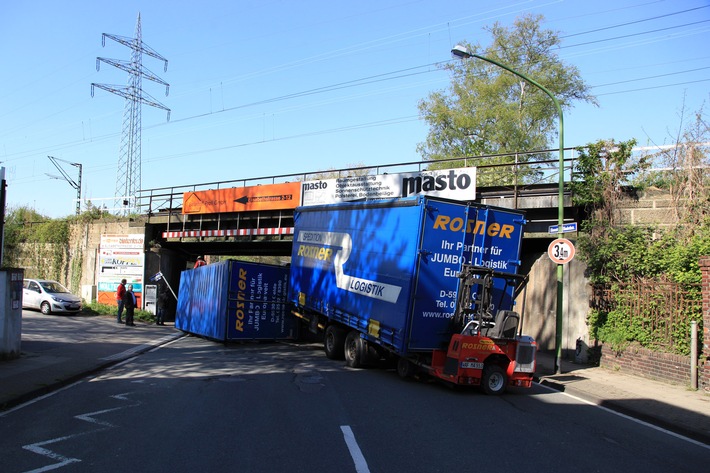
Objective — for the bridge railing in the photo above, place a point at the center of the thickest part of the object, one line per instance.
(510, 170)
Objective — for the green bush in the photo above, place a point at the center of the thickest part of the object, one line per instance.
(102, 309)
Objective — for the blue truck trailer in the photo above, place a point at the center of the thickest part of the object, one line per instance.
(430, 282)
(235, 300)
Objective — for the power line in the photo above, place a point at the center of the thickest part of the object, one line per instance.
(634, 34)
(654, 87)
(651, 77)
(328, 88)
(387, 122)
(376, 78)
(632, 22)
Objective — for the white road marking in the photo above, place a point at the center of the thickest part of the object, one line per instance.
(62, 461)
(633, 419)
(37, 399)
(358, 458)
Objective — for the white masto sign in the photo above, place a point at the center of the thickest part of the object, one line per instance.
(457, 184)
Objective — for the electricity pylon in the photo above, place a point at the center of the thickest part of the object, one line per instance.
(128, 175)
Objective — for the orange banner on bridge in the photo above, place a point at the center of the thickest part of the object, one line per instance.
(243, 199)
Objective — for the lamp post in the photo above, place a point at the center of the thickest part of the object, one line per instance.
(463, 53)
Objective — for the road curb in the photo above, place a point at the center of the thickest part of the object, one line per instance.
(619, 408)
(101, 366)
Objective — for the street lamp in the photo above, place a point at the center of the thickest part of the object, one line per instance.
(462, 52)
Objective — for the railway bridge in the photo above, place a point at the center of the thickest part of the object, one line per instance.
(255, 216)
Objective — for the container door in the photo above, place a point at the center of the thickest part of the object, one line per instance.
(497, 237)
(257, 309)
(443, 247)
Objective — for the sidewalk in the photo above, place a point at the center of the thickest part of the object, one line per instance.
(672, 407)
(59, 350)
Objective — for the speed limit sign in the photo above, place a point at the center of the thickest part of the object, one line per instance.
(561, 251)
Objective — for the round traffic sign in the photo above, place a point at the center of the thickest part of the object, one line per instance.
(561, 251)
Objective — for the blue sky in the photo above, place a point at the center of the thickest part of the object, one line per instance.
(238, 71)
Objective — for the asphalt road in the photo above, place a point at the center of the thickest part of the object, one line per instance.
(195, 405)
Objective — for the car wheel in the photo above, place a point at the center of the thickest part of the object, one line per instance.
(45, 308)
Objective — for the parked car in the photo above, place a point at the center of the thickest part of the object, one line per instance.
(48, 297)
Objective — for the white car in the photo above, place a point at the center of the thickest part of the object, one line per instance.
(48, 297)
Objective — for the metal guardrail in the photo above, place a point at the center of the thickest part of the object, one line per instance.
(169, 200)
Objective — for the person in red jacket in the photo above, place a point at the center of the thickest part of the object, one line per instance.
(120, 291)
(200, 262)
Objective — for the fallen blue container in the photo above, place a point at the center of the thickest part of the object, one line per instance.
(235, 300)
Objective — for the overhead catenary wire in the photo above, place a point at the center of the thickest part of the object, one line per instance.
(306, 93)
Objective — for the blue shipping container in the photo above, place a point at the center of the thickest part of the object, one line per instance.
(235, 300)
(390, 268)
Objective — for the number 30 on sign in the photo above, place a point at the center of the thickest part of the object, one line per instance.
(561, 251)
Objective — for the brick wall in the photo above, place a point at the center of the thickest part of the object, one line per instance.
(639, 361)
(668, 367)
(704, 338)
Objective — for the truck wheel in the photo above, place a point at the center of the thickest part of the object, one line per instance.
(494, 380)
(45, 308)
(334, 342)
(405, 368)
(354, 349)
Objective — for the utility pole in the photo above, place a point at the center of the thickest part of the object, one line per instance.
(72, 182)
(3, 200)
(128, 174)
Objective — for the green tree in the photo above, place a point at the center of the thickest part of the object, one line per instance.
(490, 111)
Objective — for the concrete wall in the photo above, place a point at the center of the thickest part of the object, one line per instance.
(84, 249)
(541, 305)
(648, 207)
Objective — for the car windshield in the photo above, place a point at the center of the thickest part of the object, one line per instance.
(53, 287)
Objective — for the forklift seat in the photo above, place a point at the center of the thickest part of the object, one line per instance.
(506, 325)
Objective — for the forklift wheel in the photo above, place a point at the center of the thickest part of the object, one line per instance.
(494, 380)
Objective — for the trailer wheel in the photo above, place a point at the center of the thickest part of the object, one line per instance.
(334, 342)
(354, 349)
(494, 380)
(405, 368)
